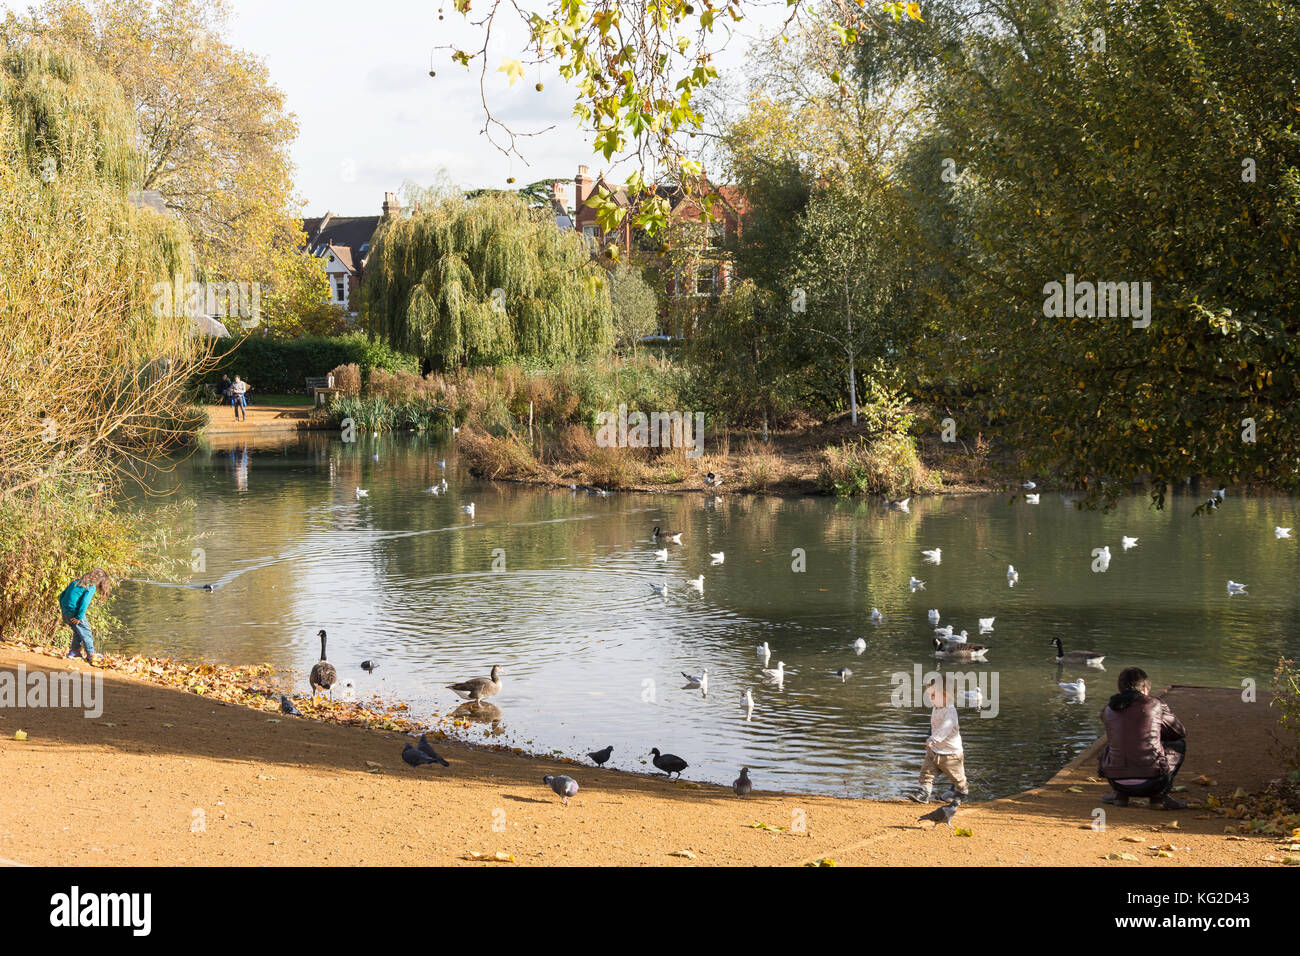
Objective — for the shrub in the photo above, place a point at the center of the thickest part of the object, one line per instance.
(887, 466)
(610, 468)
(347, 379)
(504, 456)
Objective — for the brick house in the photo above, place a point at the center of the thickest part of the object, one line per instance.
(342, 243)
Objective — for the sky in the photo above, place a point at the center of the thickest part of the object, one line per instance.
(371, 118)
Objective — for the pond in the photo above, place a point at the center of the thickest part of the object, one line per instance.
(555, 586)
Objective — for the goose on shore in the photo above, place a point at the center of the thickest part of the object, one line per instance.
(933, 555)
(742, 786)
(563, 786)
(599, 757)
(717, 557)
(876, 616)
(959, 652)
(323, 675)
(668, 763)
(479, 688)
(674, 536)
(1091, 658)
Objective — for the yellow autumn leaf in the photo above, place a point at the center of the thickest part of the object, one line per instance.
(513, 69)
(20, 735)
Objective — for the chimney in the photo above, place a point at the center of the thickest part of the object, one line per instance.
(583, 182)
(391, 206)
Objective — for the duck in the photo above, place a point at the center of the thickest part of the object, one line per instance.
(1091, 658)
(661, 554)
(843, 674)
(674, 536)
(775, 673)
(1280, 532)
(959, 652)
(598, 757)
(1031, 499)
(1236, 588)
(697, 583)
(986, 624)
(468, 509)
(859, 645)
(479, 688)
(934, 555)
(742, 786)
(668, 763)
(369, 666)
(916, 584)
(712, 480)
(323, 675)
(876, 616)
(1075, 689)
(361, 492)
(717, 557)
(1013, 576)
(764, 652)
(1128, 542)
(564, 787)
(933, 615)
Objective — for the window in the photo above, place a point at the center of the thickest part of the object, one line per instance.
(341, 289)
(592, 235)
(713, 238)
(705, 280)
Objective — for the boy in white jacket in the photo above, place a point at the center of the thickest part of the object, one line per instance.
(943, 751)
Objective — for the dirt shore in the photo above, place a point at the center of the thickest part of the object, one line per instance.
(170, 777)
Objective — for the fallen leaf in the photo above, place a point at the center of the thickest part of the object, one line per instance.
(500, 856)
(1203, 780)
(683, 853)
(1120, 856)
(1172, 825)
(20, 735)
(824, 861)
(1093, 780)
(1075, 789)
(371, 763)
(1130, 839)
(1163, 853)
(962, 831)
(765, 826)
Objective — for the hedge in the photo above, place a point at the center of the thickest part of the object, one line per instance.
(282, 367)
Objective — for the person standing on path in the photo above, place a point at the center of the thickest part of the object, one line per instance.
(238, 388)
(943, 751)
(74, 602)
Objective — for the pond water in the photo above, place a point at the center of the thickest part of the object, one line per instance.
(593, 657)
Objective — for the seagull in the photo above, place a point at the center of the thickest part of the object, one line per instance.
(1073, 690)
(1029, 486)
(934, 616)
(362, 493)
(600, 756)
(933, 556)
(986, 624)
(375, 457)
(1128, 542)
(916, 584)
(434, 490)
(859, 645)
(414, 757)
(945, 631)
(700, 681)
(660, 589)
(1031, 499)
(563, 786)
(974, 698)
(441, 463)
(876, 616)
(468, 509)
(764, 652)
(369, 666)
(1013, 576)
(455, 429)
(775, 674)
(661, 554)
(843, 674)
(749, 704)
(426, 748)
(742, 785)
(957, 638)
(718, 557)
(288, 707)
(697, 583)
(1281, 532)
(1235, 588)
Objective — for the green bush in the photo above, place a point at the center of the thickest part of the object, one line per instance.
(274, 366)
(886, 466)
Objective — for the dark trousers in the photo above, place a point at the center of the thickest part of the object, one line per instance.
(1157, 786)
(237, 403)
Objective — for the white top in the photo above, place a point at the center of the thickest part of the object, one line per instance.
(239, 388)
(945, 736)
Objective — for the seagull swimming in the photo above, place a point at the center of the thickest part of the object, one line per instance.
(1073, 690)
(764, 652)
(1031, 499)
(661, 554)
(933, 556)
(1235, 588)
(700, 681)
(859, 645)
(749, 704)
(1128, 542)
(934, 616)
(916, 584)
(986, 624)
(362, 493)
(1012, 576)
(1281, 532)
(697, 583)
(945, 631)
(468, 509)
(433, 490)
(718, 556)
(775, 674)
(876, 616)
(660, 589)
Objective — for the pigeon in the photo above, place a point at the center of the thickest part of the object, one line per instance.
(668, 763)
(468, 509)
(1281, 532)
(718, 556)
(764, 652)
(563, 786)
(876, 616)
(943, 814)
(1029, 486)
(362, 493)
(1235, 588)
(859, 645)
(742, 785)
(1031, 499)
(843, 674)
(288, 707)
(1128, 542)
(369, 666)
(933, 556)
(986, 624)
(1012, 576)
(916, 584)
(600, 756)
(661, 554)
(933, 614)
(414, 757)
(426, 748)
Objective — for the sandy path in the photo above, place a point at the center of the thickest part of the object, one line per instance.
(131, 788)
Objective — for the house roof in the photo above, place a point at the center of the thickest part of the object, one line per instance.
(342, 232)
(343, 254)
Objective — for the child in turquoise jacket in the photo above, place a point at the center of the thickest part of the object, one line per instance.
(74, 602)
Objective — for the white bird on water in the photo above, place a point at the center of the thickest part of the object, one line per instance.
(1235, 588)
(916, 584)
(859, 645)
(702, 681)
(661, 554)
(660, 589)
(775, 673)
(1219, 493)
(697, 583)
(362, 493)
(958, 638)
(934, 555)
(1031, 499)
(1128, 542)
(933, 614)
(468, 509)
(1029, 486)
(944, 632)
(876, 616)
(973, 698)
(986, 624)
(1075, 690)
(749, 704)
(718, 557)
(1012, 576)
(1281, 532)
(764, 652)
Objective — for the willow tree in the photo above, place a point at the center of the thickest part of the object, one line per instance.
(474, 282)
(95, 377)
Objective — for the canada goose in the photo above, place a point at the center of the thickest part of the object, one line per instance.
(1012, 576)
(718, 557)
(323, 674)
(661, 554)
(674, 536)
(1235, 588)
(764, 652)
(916, 584)
(777, 673)
(668, 763)
(468, 509)
(361, 492)
(1128, 542)
(859, 645)
(1281, 532)
(478, 688)
(933, 615)
(742, 785)
(697, 583)
(1091, 658)
(959, 652)
(563, 786)
(876, 616)
(1031, 499)
(1073, 690)
(426, 748)
(598, 757)
(986, 624)
(933, 556)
